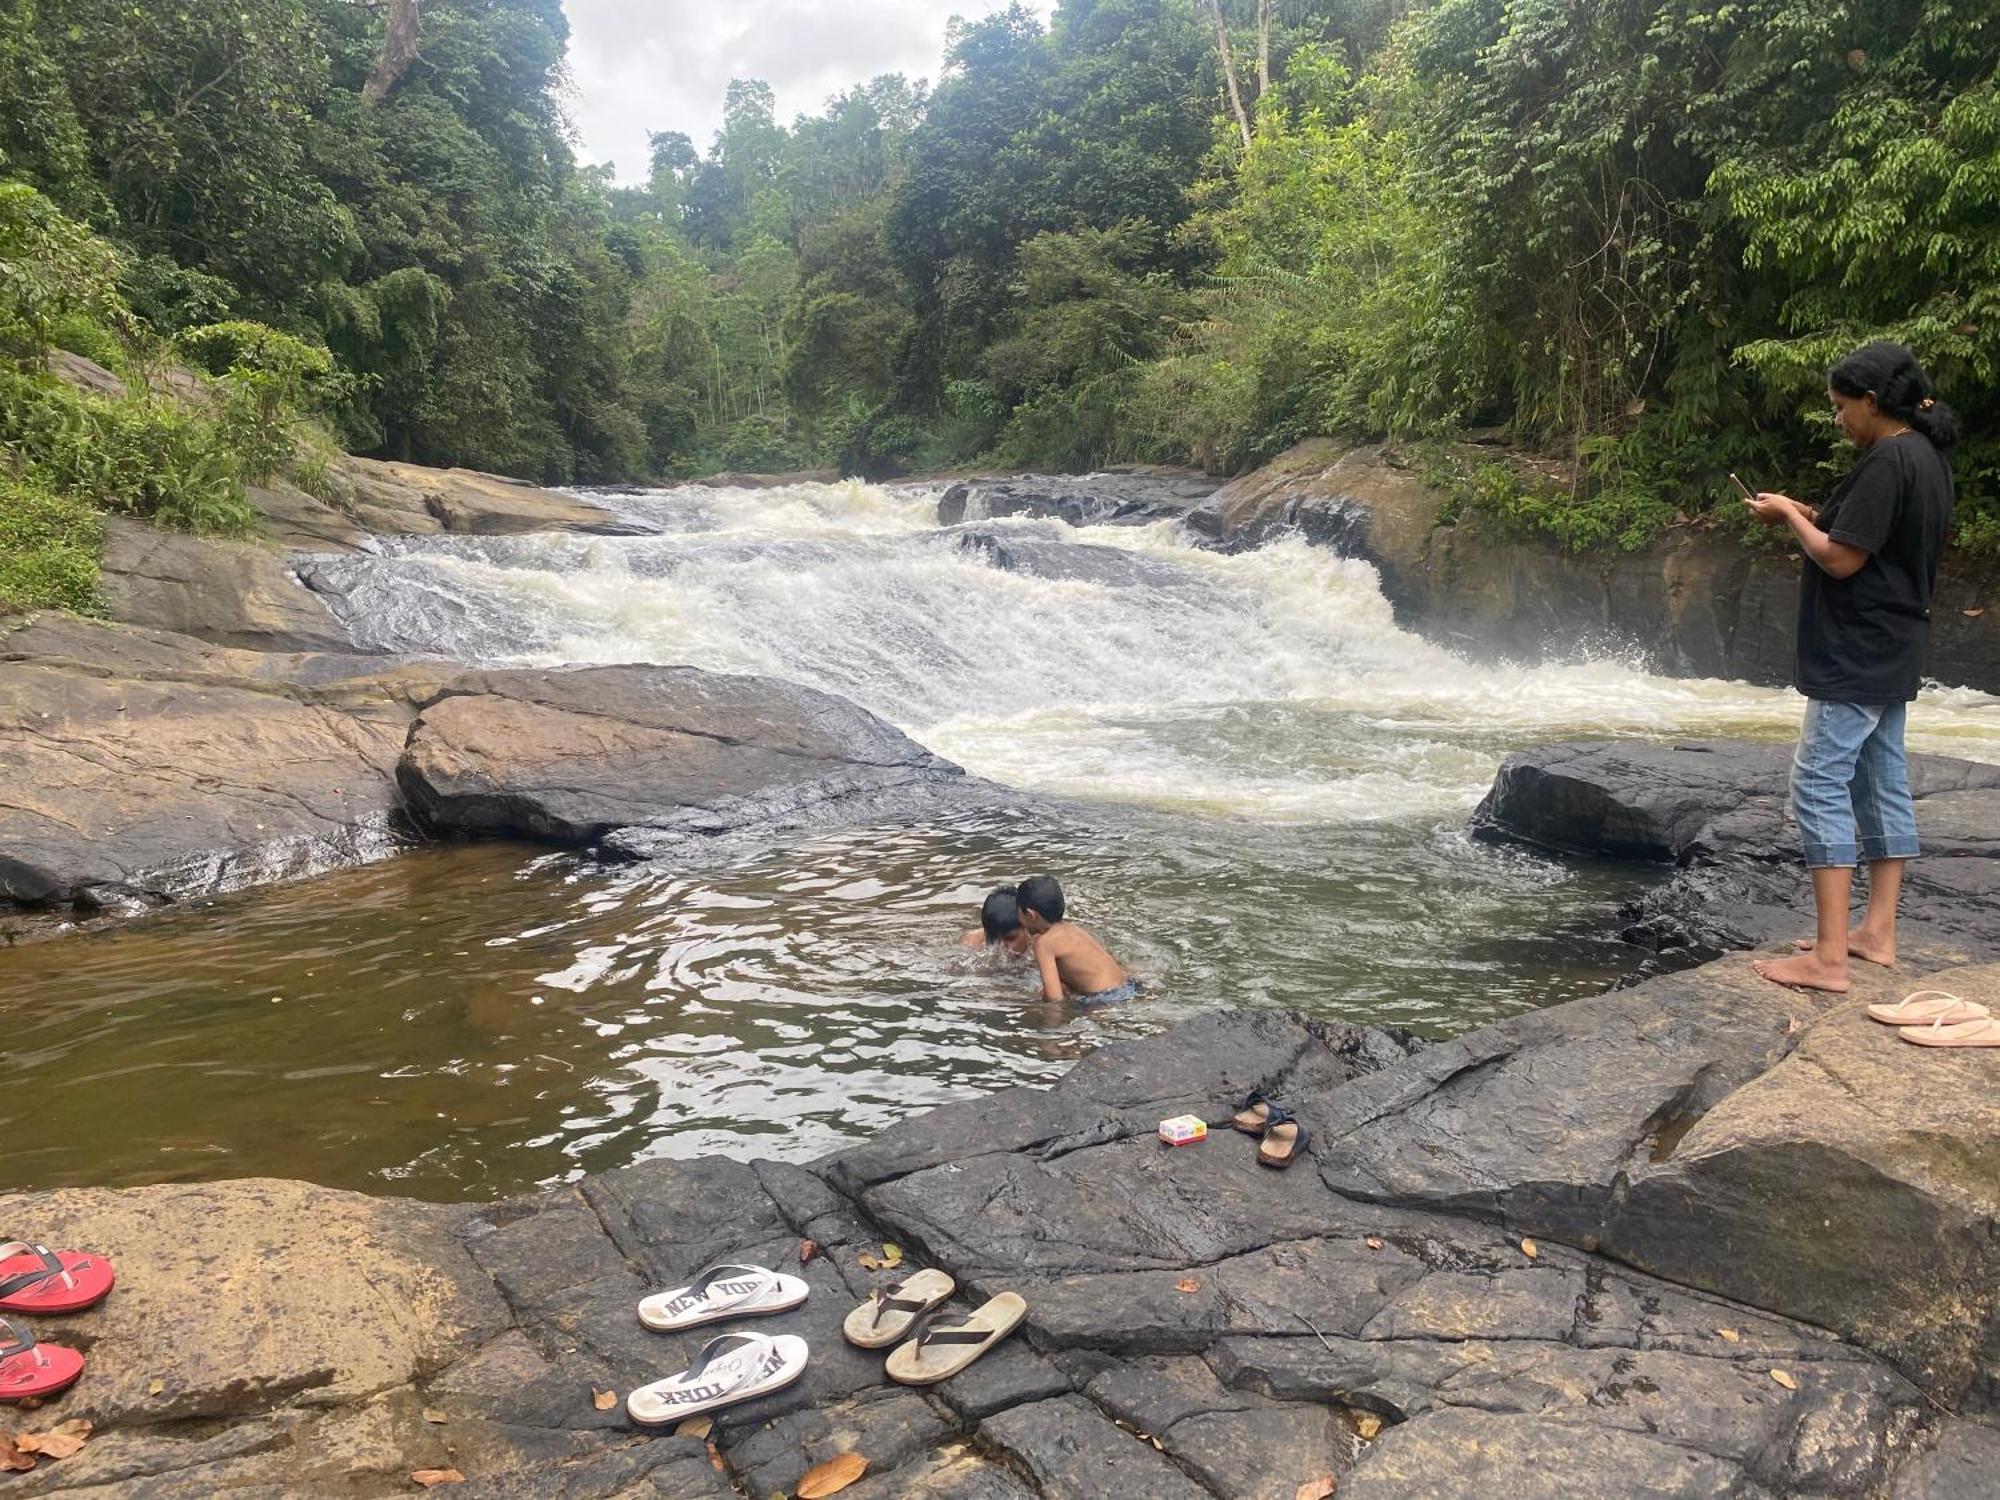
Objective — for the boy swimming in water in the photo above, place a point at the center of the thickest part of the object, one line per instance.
(1071, 960)
(999, 926)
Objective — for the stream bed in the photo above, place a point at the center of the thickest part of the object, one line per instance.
(1253, 784)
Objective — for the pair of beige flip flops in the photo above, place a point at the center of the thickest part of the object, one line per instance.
(938, 1352)
(1938, 1018)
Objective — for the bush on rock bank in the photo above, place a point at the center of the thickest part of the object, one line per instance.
(170, 447)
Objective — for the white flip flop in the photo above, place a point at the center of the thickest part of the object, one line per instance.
(725, 1291)
(731, 1368)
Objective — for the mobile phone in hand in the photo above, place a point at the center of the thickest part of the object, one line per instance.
(1747, 492)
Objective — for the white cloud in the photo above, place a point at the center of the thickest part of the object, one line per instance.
(646, 65)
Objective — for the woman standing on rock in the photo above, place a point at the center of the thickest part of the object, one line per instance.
(1864, 619)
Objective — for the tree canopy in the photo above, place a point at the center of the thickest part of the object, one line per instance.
(1627, 234)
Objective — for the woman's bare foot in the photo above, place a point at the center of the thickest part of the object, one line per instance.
(1806, 972)
(1860, 945)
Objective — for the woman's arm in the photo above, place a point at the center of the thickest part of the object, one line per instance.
(1835, 559)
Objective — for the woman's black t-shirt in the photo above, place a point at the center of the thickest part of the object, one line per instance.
(1861, 638)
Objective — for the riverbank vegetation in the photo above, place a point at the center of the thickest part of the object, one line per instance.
(1628, 236)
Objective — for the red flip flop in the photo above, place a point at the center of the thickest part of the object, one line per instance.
(36, 1279)
(30, 1371)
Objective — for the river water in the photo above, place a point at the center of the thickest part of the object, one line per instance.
(1253, 784)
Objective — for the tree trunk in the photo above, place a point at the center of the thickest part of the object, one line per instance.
(399, 50)
(1263, 48)
(1229, 69)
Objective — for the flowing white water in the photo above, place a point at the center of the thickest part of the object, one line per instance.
(1112, 663)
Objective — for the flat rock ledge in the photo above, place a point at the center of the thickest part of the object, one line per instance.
(1568, 1256)
(1716, 810)
(145, 766)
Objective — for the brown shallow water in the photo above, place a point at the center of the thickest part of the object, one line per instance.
(471, 1022)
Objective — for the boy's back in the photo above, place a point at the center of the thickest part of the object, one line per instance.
(1071, 959)
(1072, 962)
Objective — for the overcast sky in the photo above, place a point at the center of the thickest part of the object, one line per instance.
(643, 65)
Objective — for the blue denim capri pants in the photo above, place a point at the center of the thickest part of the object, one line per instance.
(1851, 785)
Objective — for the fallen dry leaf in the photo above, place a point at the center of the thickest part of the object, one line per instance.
(695, 1427)
(1368, 1425)
(715, 1459)
(1972, 614)
(831, 1477)
(870, 1261)
(1157, 1444)
(807, 1250)
(12, 1459)
(1530, 1249)
(1729, 1334)
(59, 1442)
(603, 1400)
(434, 1416)
(1784, 1380)
(1315, 1489)
(1187, 1284)
(429, 1477)
(156, 1387)
(1372, 1243)
(892, 1256)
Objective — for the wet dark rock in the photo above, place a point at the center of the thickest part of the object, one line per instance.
(1717, 811)
(1197, 1327)
(155, 767)
(567, 757)
(1064, 561)
(1110, 499)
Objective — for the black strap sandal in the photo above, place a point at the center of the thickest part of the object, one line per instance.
(1253, 1114)
(1286, 1152)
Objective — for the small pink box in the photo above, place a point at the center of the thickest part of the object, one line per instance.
(1184, 1130)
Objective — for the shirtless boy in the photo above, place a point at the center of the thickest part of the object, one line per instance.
(1072, 962)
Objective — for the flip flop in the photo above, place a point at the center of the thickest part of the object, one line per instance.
(731, 1368)
(886, 1317)
(940, 1353)
(1253, 1114)
(1983, 1032)
(1916, 1010)
(725, 1291)
(1288, 1151)
(34, 1278)
(31, 1371)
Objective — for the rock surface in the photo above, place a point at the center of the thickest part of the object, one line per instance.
(569, 757)
(1381, 1316)
(409, 499)
(1698, 601)
(1109, 499)
(144, 766)
(231, 593)
(1717, 809)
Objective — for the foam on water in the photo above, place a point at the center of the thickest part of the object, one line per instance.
(1116, 663)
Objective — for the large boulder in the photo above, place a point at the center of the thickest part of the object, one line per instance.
(1717, 811)
(1897, 1242)
(569, 757)
(1118, 498)
(412, 499)
(143, 770)
(232, 593)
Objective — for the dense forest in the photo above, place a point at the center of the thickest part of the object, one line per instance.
(1626, 234)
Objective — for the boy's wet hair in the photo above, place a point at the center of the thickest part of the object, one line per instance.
(1041, 895)
(999, 917)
